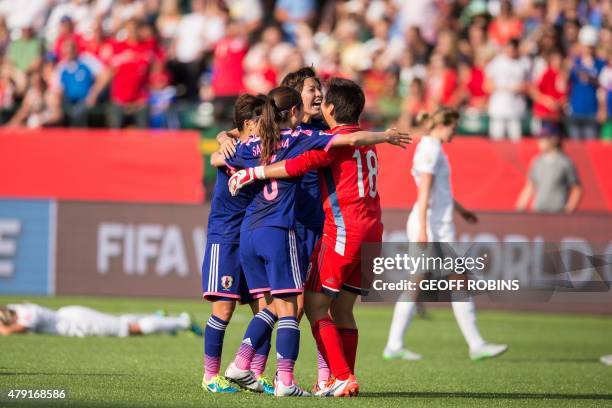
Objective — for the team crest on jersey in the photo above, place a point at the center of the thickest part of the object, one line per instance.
(226, 282)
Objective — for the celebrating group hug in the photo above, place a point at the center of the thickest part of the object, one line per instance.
(295, 197)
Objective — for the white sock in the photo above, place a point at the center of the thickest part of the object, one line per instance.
(402, 317)
(156, 324)
(465, 314)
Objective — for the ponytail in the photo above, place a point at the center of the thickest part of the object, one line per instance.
(276, 110)
(441, 117)
(269, 131)
(421, 118)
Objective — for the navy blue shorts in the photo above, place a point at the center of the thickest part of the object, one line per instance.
(307, 238)
(222, 276)
(270, 260)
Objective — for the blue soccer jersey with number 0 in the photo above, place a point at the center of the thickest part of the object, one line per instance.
(273, 205)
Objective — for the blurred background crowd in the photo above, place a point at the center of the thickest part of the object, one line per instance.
(511, 67)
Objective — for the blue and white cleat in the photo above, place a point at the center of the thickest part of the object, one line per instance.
(268, 387)
(218, 385)
(244, 378)
(281, 390)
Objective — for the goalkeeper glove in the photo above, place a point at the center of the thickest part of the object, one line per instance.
(245, 177)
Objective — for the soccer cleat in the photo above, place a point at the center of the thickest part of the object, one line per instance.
(196, 328)
(268, 387)
(402, 354)
(607, 360)
(218, 385)
(487, 350)
(341, 388)
(281, 390)
(321, 385)
(243, 378)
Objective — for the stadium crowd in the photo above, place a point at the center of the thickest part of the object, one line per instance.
(508, 65)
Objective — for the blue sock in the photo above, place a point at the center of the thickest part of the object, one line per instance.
(287, 348)
(213, 345)
(257, 333)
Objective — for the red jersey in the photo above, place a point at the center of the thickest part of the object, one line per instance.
(349, 179)
(130, 62)
(550, 84)
(227, 66)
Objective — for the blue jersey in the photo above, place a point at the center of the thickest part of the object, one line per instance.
(308, 204)
(227, 212)
(273, 205)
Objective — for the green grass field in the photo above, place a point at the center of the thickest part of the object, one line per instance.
(552, 361)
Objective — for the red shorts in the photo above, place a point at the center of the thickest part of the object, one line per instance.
(329, 272)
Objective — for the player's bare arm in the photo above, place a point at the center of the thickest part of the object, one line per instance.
(217, 159)
(424, 193)
(466, 214)
(13, 328)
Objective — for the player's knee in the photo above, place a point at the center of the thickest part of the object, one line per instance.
(224, 310)
(315, 309)
(342, 316)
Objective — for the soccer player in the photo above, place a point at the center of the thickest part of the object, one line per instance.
(268, 249)
(348, 177)
(309, 214)
(80, 321)
(431, 220)
(223, 280)
(308, 207)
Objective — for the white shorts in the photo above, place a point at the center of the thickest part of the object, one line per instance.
(80, 321)
(436, 232)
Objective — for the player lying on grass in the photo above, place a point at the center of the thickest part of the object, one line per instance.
(348, 177)
(80, 321)
(431, 220)
(268, 247)
(223, 280)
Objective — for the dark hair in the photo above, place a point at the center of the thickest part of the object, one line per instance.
(348, 100)
(277, 109)
(297, 78)
(247, 107)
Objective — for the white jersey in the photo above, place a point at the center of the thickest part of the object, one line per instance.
(35, 318)
(73, 321)
(430, 158)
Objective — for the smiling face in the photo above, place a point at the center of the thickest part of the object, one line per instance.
(311, 98)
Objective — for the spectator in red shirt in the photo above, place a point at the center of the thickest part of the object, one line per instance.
(441, 85)
(549, 92)
(506, 25)
(67, 33)
(472, 90)
(227, 70)
(128, 74)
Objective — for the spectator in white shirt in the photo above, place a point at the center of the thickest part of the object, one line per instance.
(506, 81)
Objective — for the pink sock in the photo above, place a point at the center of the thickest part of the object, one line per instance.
(323, 369)
(244, 356)
(285, 371)
(258, 365)
(211, 366)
